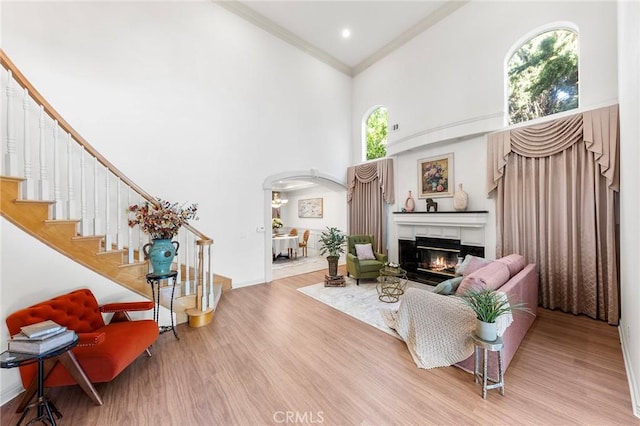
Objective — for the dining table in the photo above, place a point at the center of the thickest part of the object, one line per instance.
(282, 243)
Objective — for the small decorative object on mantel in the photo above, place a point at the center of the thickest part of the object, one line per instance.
(430, 204)
(161, 220)
(460, 199)
(409, 204)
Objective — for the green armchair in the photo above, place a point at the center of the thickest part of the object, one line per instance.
(358, 268)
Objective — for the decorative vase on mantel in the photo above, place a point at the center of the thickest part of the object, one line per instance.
(460, 199)
(160, 253)
(409, 204)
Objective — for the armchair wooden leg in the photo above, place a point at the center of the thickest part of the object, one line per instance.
(68, 359)
(148, 352)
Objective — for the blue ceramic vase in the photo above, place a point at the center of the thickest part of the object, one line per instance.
(160, 254)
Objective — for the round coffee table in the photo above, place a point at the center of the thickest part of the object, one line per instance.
(391, 284)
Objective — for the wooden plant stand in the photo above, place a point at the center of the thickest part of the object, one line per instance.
(334, 281)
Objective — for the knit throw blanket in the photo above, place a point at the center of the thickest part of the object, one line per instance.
(437, 329)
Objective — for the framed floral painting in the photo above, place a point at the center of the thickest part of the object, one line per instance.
(435, 176)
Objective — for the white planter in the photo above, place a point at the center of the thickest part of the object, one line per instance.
(486, 330)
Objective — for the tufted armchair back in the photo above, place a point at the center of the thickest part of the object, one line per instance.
(78, 311)
(359, 239)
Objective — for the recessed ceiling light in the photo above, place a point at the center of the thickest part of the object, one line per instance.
(346, 33)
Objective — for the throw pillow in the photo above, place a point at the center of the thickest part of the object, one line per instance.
(474, 264)
(514, 262)
(365, 252)
(449, 286)
(490, 277)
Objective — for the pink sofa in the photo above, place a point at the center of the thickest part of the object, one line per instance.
(520, 288)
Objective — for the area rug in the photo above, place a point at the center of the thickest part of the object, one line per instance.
(359, 301)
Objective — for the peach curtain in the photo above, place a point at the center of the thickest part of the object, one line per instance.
(369, 186)
(556, 185)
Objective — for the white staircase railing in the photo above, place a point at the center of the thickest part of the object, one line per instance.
(58, 165)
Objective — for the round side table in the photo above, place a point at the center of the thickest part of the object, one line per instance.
(44, 408)
(391, 284)
(482, 376)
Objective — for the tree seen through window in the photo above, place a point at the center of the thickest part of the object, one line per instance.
(543, 76)
(377, 134)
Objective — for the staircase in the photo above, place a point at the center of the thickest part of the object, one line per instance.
(39, 197)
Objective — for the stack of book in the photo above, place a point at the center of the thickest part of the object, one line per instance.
(40, 338)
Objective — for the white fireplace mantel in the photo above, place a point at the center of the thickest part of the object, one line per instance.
(468, 227)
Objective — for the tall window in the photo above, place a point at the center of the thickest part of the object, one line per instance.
(376, 133)
(543, 76)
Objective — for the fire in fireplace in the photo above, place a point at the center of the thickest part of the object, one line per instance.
(437, 259)
(432, 260)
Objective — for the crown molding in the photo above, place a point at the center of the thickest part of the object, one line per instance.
(442, 12)
(271, 27)
(245, 12)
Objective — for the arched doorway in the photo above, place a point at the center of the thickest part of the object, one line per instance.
(311, 175)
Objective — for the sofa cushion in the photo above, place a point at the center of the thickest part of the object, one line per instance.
(449, 286)
(370, 266)
(365, 252)
(491, 277)
(514, 262)
(471, 264)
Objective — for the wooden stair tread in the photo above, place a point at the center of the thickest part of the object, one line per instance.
(32, 216)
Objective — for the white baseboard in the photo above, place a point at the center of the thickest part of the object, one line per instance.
(11, 392)
(633, 384)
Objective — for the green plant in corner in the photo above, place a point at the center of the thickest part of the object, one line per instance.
(488, 305)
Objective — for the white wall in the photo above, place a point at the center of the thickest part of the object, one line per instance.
(449, 81)
(445, 89)
(189, 101)
(32, 272)
(629, 93)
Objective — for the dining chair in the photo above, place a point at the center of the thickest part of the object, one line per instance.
(304, 243)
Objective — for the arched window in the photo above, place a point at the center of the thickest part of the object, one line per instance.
(543, 76)
(375, 130)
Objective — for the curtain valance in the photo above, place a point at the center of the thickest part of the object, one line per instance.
(597, 128)
(368, 172)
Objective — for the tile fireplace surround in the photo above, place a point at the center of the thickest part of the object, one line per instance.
(423, 235)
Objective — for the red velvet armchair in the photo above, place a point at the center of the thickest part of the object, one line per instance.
(104, 350)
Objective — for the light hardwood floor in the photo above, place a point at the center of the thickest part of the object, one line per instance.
(275, 356)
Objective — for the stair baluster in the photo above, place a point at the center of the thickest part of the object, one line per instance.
(199, 292)
(28, 190)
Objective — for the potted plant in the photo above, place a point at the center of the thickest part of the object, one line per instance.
(161, 220)
(488, 305)
(332, 241)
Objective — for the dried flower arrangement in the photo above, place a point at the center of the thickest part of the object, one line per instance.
(163, 219)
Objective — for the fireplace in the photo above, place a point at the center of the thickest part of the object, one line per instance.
(438, 256)
(432, 260)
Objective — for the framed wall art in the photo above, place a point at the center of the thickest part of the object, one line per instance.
(310, 208)
(435, 176)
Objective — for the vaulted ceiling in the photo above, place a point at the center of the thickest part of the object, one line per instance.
(376, 27)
